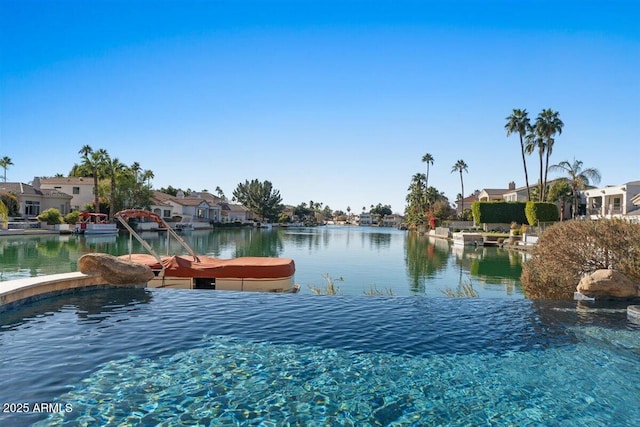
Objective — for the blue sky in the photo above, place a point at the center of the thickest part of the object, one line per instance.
(331, 101)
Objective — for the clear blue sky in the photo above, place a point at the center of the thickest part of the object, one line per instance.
(332, 101)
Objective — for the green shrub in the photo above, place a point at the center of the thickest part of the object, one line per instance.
(538, 212)
(498, 212)
(72, 217)
(51, 216)
(570, 249)
(10, 200)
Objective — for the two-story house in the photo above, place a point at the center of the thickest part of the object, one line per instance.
(79, 188)
(33, 201)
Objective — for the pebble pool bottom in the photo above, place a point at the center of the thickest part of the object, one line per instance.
(170, 357)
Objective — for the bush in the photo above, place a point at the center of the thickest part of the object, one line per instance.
(570, 249)
(72, 217)
(51, 216)
(11, 202)
(498, 212)
(538, 212)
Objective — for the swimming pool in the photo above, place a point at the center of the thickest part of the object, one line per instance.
(172, 357)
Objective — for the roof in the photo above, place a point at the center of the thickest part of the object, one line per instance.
(28, 190)
(68, 180)
(19, 188)
(496, 191)
(188, 201)
(471, 198)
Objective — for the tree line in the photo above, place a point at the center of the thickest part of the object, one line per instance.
(425, 203)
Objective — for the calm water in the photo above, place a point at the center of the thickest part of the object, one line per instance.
(180, 357)
(365, 258)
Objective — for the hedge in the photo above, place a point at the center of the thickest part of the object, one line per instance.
(498, 212)
(538, 212)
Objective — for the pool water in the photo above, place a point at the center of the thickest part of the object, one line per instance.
(179, 357)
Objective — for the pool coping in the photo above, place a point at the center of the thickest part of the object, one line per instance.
(22, 291)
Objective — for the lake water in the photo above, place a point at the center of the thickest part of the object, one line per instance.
(148, 357)
(364, 257)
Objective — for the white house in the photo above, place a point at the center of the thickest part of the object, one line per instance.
(32, 201)
(79, 188)
(234, 213)
(612, 201)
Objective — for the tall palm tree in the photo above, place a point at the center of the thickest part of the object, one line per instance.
(93, 160)
(5, 162)
(518, 122)
(112, 168)
(578, 178)
(461, 166)
(147, 175)
(533, 142)
(547, 125)
(428, 159)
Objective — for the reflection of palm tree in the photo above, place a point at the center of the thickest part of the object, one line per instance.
(263, 243)
(424, 259)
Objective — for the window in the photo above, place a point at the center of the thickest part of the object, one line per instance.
(76, 190)
(31, 208)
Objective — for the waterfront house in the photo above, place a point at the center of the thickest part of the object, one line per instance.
(33, 201)
(194, 208)
(467, 203)
(495, 194)
(234, 213)
(80, 189)
(613, 201)
(159, 206)
(366, 218)
(393, 220)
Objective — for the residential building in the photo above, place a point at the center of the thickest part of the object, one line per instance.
(497, 194)
(33, 201)
(366, 218)
(467, 203)
(612, 201)
(234, 213)
(79, 188)
(393, 220)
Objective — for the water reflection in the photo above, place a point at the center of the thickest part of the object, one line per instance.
(259, 243)
(424, 258)
(92, 306)
(404, 262)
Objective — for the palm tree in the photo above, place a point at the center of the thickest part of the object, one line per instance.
(428, 159)
(533, 141)
(547, 124)
(5, 162)
(93, 160)
(578, 178)
(147, 175)
(460, 166)
(113, 167)
(518, 122)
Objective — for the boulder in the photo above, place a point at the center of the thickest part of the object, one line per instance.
(114, 270)
(608, 284)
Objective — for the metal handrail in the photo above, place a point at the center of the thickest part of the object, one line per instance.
(123, 216)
